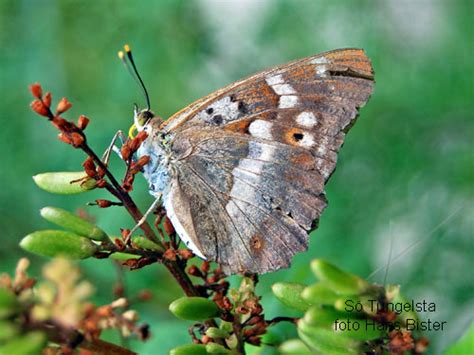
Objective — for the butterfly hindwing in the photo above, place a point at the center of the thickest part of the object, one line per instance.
(251, 160)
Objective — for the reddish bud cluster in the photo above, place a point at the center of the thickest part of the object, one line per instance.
(128, 149)
(97, 319)
(70, 133)
(400, 341)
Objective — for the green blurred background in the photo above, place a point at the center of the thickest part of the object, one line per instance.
(404, 177)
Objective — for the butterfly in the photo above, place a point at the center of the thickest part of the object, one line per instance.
(241, 172)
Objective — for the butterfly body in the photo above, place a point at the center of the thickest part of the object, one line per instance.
(242, 171)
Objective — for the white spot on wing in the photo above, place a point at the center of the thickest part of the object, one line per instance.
(274, 79)
(261, 129)
(288, 101)
(321, 70)
(283, 89)
(183, 235)
(320, 60)
(307, 141)
(306, 119)
(225, 107)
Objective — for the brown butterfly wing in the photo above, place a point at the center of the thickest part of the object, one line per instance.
(251, 160)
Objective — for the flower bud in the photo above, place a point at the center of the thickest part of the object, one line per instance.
(189, 349)
(214, 348)
(63, 106)
(289, 294)
(64, 183)
(47, 99)
(40, 108)
(36, 90)
(59, 243)
(338, 280)
(320, 294)
(194, 308)
(82, 122)
(216, 333)
(146, 244)
(73, 223)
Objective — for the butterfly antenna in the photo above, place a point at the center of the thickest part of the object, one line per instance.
(132, 69)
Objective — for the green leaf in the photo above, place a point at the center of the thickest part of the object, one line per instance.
(294, 346)
(8, 303)
(338, 280)
(73, 223)
(62, 182)
(290, 294)
(189, 349)
(58, 243)
(145, 243)
(194, 308)
(30, 344)
(465, 345)
(320, 294)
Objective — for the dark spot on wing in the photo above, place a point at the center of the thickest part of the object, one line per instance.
(298, 136)
(217, 119)
(209, 111)
(232, 98)
(242, 107)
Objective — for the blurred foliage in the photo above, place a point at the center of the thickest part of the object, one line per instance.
(404, 183)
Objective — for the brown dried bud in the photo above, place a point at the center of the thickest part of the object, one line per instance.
(205, 266)
(103, 203)
(64, 138)
(77, 139)
(125, 151)
(212, 279)
(119, 244)
(421, 345)
(170, 254)
(47, 99)
(89, 167)
(137, 141)
(124, 233)
(254, 340)
(194, 271)
(241, 310)
(100, 172)
(186, 254)
(254, 320)
(101, 183)
(36, 90)
(40, 108)
(143, 161)
(227, 305)
(168, 227)
(82, 122)
(104, 311)
(63, 106)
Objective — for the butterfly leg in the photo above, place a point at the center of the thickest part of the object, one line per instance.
(113, 147)
(147, 213)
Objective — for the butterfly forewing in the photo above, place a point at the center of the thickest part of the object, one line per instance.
(251, 160)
